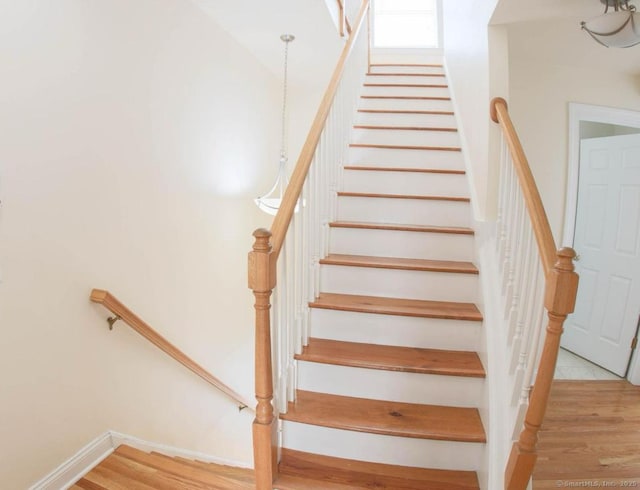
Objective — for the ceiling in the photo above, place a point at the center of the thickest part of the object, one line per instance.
(258, 24)
(509, 11)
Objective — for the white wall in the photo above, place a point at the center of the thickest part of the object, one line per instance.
(133, 137)
(475, 55)
(551, 64)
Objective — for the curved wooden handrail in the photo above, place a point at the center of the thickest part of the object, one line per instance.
(111, 303)
(535, 208)
(299, 174)
(561, 288)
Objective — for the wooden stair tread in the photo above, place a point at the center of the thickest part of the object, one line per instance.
(404, 128)
(408, 85)
(399, 111)
(372, 74)
(386, 417)
(405, 97)
(427, 65)
(401, 263)
(131, 469)
(393, 358)
(405, 169)
(347, 473)
(457, 230)
(405, 147)
(400, 307)
(403, 196)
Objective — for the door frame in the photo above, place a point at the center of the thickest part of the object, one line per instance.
(601, 114)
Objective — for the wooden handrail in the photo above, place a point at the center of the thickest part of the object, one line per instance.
(561, 288)
(343, 19)
(537, 214)
(299, 174)
(121, 312)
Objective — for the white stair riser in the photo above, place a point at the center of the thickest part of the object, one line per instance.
(377, 448)
(418, 79)
(407, 69)
(434, 333)
(406, 104)
(397, 386)
(404, 211)
(408, 91)
(405, 138)
(413, 245)
(394, 119)
(391, 283)
(415, 183)
(383, 157)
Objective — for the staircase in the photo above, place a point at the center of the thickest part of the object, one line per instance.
(389, 383)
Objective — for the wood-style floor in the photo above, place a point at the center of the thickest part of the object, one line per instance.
(590, 437)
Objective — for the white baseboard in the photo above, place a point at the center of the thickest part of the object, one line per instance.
(147, 446)
(65, 475)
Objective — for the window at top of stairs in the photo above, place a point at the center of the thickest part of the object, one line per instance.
(405, 24)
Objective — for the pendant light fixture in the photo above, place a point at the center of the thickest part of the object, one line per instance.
(617, 28)
(270, 202)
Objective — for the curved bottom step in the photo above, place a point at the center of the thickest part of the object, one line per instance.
(306, 471)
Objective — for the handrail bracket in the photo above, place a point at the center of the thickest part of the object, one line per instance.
(113, 319)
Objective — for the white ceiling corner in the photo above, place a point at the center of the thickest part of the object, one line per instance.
(258, 24)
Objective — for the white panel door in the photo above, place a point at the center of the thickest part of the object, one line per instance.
(607, 242)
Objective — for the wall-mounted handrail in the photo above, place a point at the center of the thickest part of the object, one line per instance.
(121, 312)
(560, 291)
(299, 174)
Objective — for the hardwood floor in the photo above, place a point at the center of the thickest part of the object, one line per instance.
(590, 436)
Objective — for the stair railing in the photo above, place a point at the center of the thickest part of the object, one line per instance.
(288, 254)
(535, 277)
(121, 312)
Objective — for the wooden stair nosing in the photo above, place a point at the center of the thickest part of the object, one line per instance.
(399, 263)
(406, 147)
(406, 85)
(412, 420)
(405, 169)
(446, 310)
(403, 196)
(285, 481)
(406, 128)
(394, 111)
(401, 227)
(393, 358)
(363, 474)
(404, 97)
(372, 74)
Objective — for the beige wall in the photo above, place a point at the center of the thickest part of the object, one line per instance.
(551, 64)
(133, 137)
(475, 55)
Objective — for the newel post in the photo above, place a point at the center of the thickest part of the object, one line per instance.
(560, 298)
(262, 280)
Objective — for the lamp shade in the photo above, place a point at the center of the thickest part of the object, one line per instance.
(615, 29)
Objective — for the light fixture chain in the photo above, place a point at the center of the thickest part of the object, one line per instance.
(283, 153)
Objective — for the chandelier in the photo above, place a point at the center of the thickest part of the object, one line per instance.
(615, 28)
(270, 202)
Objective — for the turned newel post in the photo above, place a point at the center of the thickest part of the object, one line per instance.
(560, 298)
(262, 280)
